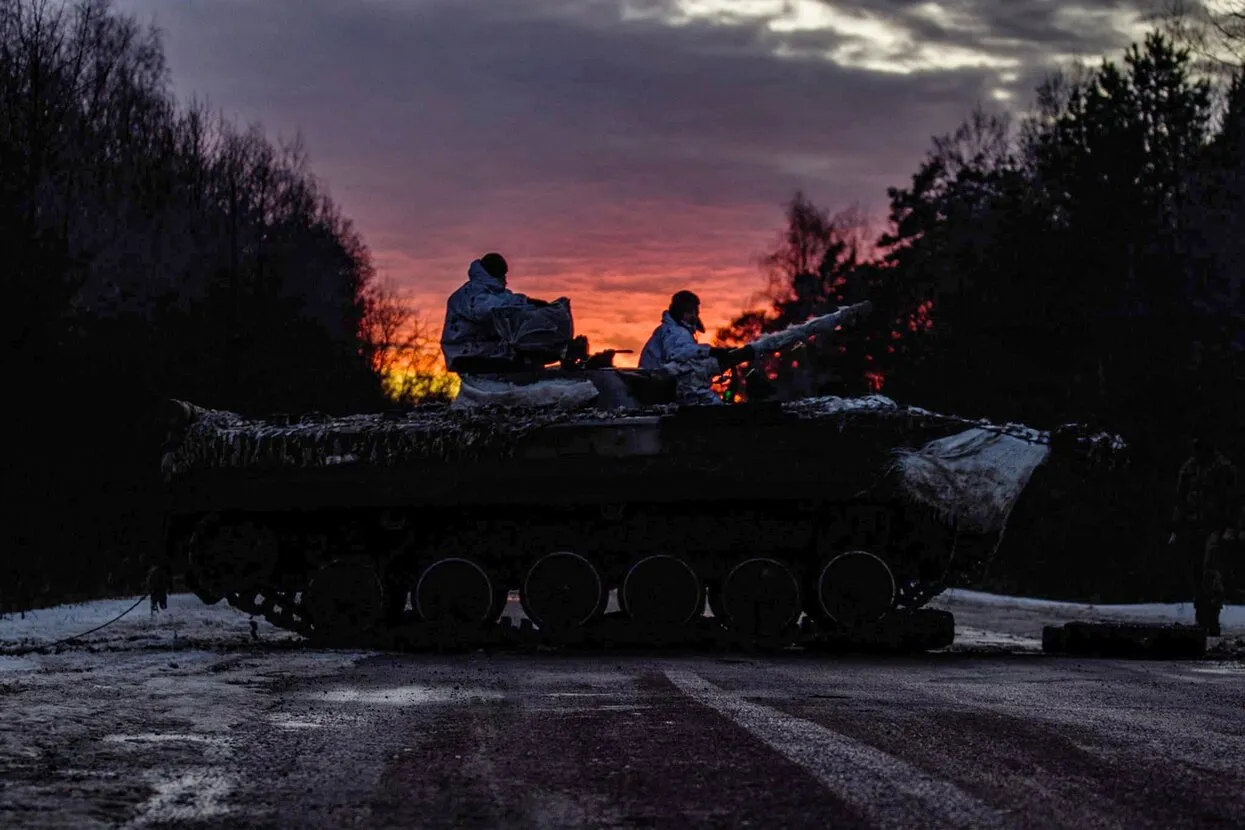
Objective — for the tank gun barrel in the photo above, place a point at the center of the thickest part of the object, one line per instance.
(798, 333)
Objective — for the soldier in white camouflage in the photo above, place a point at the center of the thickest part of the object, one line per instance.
(1206, 515)
(673, 348)
(469, 335)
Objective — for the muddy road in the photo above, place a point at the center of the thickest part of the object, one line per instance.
(183, 720)
(277, 736)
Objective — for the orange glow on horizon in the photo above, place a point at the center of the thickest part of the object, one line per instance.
(605, 309)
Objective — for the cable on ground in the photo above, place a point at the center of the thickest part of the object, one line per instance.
(32, 649)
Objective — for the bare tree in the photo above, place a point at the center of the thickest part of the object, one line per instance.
(1214, 30)
(404, 353)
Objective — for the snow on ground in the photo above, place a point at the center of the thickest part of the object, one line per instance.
(991, 622)
(187, 621)
(982, 619)
(169, 692)
(74, 721)
(1231, 619)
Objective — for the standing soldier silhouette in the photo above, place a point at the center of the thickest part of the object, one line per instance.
(1206, 502)
(158, 588)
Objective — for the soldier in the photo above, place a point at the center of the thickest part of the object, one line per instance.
(675, 338)
(1206, 510)
(1232, 556)
(158, 588)
(674, 342)
(468, 335)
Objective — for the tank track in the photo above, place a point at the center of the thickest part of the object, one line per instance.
(345, 590)
(920, 630)
(278, 608)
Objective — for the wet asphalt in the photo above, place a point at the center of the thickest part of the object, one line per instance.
(280, 739)
(935, 742)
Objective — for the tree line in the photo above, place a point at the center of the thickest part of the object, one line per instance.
(153, 249)
(1081, 263)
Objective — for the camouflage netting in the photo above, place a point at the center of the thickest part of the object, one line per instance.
(214, 439)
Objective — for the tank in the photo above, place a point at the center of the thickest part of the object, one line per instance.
(799, 524)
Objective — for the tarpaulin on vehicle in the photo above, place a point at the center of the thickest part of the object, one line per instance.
(973, 478)
(555, 393)
(543, 329)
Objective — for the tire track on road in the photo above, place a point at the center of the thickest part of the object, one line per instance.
(888, 791)
(591, 745)
(1073, 743)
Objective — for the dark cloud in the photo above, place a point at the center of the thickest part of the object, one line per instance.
(606, 143)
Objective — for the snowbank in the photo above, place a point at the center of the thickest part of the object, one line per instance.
(187, 621)
(1233, 616)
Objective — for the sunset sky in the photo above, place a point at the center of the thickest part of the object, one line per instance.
(613, 150)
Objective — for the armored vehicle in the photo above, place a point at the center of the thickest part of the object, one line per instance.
(800, 523)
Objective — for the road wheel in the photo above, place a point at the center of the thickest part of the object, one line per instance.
(457, 589)
(854, 588)
(227, 556)
(563, 591)
(760, 597)
(344, 600)
(661, 590)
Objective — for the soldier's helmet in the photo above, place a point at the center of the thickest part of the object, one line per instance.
(496, 265)
(683, 302)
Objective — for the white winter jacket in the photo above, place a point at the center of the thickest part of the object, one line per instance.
(468, 330)
(672, 342)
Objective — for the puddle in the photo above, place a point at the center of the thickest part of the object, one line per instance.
(966, 637)
(576, 677)
(153, 737)
(407, 695)
(1230, 669)
(294, 724)
(624, 707)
